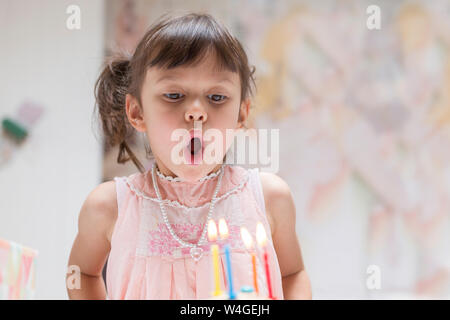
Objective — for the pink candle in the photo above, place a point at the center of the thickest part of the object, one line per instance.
(261, 238)
(266, 263)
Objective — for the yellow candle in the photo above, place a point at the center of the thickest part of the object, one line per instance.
(212, 236)
(255, 279)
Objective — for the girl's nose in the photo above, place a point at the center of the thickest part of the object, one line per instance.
(195, 115)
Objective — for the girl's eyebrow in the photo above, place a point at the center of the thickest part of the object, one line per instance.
(165, 77)
(171, 77)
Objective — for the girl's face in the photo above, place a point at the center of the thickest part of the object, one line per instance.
(180, 98)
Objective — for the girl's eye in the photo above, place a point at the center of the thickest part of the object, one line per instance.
(217, 97)
(173, 96)
(177, 96)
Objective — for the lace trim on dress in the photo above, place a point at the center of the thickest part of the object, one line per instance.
(176, 204)
(178, 179)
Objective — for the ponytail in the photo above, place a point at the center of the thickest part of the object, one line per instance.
(111, 89)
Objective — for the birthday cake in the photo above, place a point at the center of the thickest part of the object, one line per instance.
(17, 271)
(246, 293)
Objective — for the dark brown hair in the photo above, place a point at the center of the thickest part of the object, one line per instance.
(169, 43)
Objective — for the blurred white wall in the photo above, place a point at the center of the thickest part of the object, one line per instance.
(43, 187)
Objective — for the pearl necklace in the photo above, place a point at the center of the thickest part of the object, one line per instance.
(196, 251)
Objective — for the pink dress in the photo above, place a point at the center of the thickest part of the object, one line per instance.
(146, 262)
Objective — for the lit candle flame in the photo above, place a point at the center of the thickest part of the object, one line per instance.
(212, 230)
(223, 229)
(247, 238)
(261, 237)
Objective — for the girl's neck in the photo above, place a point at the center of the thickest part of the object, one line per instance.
(168, 173)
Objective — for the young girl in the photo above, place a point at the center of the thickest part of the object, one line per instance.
(151, 225)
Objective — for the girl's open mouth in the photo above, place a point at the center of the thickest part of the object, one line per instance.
(195, 145)
(193, 152)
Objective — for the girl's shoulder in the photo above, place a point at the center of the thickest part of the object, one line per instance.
(277, 194)
(100, 207)
(273, 185)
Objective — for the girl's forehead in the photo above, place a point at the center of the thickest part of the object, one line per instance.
(206, 67)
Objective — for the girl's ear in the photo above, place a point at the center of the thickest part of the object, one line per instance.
(243, 113)
(135, 113)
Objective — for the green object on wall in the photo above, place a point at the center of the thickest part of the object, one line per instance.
(14, 128)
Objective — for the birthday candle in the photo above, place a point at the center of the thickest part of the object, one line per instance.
(248, 241)
(223, 231)
(261, 238)
(212, 236)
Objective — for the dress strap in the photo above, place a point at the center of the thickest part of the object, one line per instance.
(121, 189)
(255, 181)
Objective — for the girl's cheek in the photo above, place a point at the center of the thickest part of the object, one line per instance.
(162, 131)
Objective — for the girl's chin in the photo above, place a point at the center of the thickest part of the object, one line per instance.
(193, 173)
